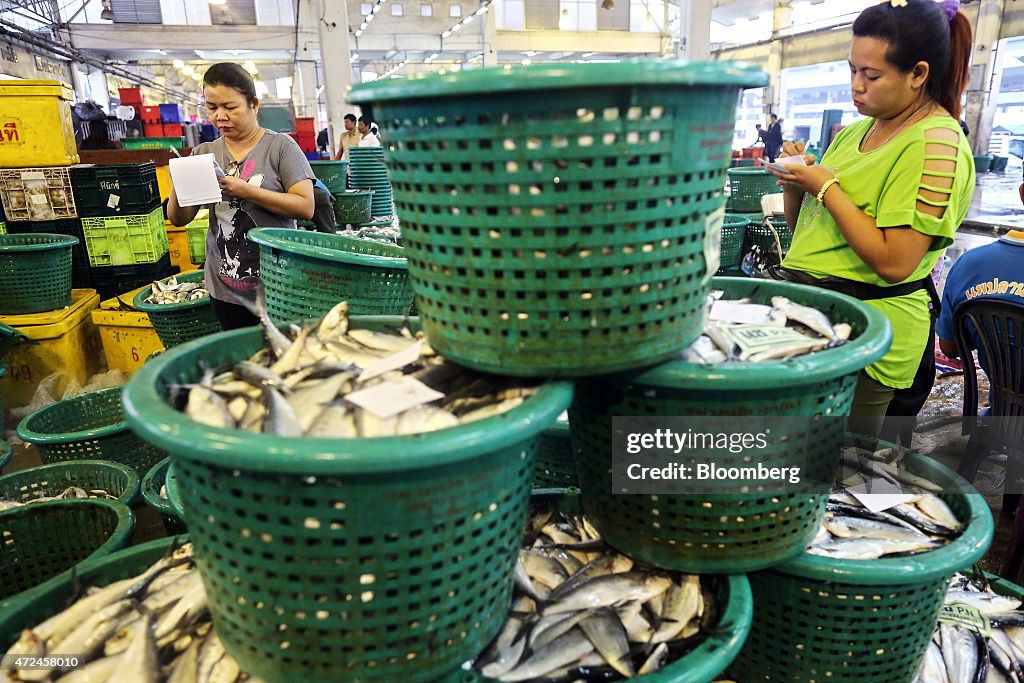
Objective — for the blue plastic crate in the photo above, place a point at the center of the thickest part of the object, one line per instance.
(172, 113)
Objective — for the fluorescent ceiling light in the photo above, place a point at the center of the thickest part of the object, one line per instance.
(188, 71)
(178, 64)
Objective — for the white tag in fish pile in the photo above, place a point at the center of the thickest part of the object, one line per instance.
(391, 398)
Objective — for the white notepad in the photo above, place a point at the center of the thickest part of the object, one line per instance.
(195, 180)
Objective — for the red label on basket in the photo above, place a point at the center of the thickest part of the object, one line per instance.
(10, 131)
(965, 616)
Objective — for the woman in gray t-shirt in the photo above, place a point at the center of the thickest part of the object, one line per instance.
(267, 183)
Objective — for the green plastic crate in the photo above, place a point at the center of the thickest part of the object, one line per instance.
(151, 484)
(727, 532)
(333, 174)
(154, 143)
(748, 185)
(52, 596)
(114, 189)
(405, 545)
(35, 272)
(49, 480)
(195, 232)
(353, 207)
(554, 215)
(823, 619)
(305, 274)
(45, 539)
(555, 466)
(179, 323)
(707, 660)
(125, 240)
(88, 427)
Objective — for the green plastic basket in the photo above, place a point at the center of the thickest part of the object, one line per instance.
(49, 480)
(734, 231)
(52, 596)
(982, 163)
(305, 274)
(154, 480)
(748, 185)
(5, 448)
(45, 539)
(195, 233)
(178, 323)
(704, 663)
(384, 559)
(331, 173)
(35, 272)
(822, 619)
(352, 207)
(761, 235)
(555, 465)
(88, 427)
(555, 215)
(727, 532)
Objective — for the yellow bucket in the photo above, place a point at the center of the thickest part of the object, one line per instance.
(63, 341)
(127, 335)
(35, 124)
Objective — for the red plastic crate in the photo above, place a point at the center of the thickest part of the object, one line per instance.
(307, 141)
(305, 125)
(150, 114)
(130, 96)
(172, 130)
(152, 130)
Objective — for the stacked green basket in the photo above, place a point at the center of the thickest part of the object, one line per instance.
(730, 531)
(555, 216)
(182, 322)
(35, 272)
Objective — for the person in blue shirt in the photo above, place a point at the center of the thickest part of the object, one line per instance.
(995, 271)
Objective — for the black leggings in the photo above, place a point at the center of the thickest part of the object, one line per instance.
(907, 403)
(232, 316)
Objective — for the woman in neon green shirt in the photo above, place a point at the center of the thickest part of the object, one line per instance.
(873, 218)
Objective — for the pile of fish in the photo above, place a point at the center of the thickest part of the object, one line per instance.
(739, 330)
(583, 612)
(957, 654)
(921, 522)
(150, 628)
(327, 380)
(66, 494)
(170, 291)
(388, 234)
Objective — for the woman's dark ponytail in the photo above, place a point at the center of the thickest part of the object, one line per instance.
(961, 40)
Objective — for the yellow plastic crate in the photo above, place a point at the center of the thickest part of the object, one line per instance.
(127, 335)
(65, 340)
(35, 124)
(163, 180)
(177, 240)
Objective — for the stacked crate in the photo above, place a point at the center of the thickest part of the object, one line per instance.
(152, 125)
(37, 146)
(122, 225)
(172, 116)
(305, 136)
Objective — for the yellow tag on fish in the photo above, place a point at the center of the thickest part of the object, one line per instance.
(965, 616)
(713, 243)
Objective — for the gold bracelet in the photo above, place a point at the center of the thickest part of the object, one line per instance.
(824, 188)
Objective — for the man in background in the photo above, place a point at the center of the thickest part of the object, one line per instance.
(773, 138)
(350, 138)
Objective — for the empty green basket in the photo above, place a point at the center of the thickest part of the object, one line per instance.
(331, 173)
(734, 230)
(728, 532)
(820, 619)
(179, 323)
(748, 185)
(305, 274)
(35, 272)
(88, 427)
(352, 207)
(44, 539)
(555, 215)
(386, 559)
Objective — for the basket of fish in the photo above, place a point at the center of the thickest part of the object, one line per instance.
(583, 612)
(179, 308)
(555, 465)
(979, 636)
(5, 448)
(154, 492)
(797, 356)
(42, 540)
(70, 479)
(307, 273)
(561, 231)
(312, 466)
(862, 603)
(90, 426)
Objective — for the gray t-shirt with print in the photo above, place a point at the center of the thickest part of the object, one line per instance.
(232, 261)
